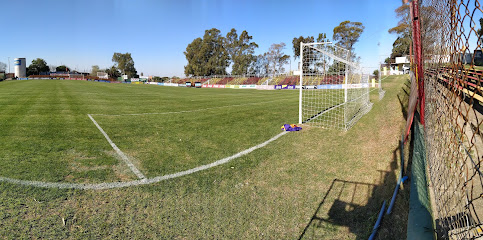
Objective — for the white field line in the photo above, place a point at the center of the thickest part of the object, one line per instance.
(187, 111)
(143, 180)
(119, 152)
(100, 186)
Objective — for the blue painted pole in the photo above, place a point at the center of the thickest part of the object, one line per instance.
(378, 222)
(401, 178)
(402, 157)
(393, 199)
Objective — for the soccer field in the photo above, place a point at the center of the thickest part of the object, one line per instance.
(313, 184)
(50, 128)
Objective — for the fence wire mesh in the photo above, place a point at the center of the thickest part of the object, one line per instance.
(451, 44)
(335, 93)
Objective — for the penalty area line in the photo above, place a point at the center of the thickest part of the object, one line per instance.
(119, 152)
(101, 186)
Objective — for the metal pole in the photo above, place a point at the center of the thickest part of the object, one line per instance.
(379, 77)
(346, 80)
(346, 77)
(301, 69)
(8, 64)
(418, 55)
(378, 222)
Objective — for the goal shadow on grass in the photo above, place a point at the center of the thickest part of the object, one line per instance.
(356, 205)
(353, 206)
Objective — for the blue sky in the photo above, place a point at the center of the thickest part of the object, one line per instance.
(82, 33)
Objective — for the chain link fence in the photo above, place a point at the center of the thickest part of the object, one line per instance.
(452, 56)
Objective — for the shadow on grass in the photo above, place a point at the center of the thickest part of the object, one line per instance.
(403, 98)
(352, 204)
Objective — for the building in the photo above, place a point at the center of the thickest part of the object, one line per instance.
(400, 66)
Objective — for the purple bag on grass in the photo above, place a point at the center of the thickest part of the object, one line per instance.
(291, 127)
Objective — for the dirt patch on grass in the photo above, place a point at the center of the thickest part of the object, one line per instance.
(121, 170)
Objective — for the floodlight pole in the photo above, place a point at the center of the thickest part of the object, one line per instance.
(301, 69)
(8, 64)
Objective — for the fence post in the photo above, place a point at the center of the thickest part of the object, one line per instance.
(418, 55)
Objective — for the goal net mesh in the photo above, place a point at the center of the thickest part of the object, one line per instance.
(334, 91)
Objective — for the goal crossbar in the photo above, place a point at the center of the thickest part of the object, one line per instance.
(352, 64)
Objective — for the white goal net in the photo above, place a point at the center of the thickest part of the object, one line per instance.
(334, 93)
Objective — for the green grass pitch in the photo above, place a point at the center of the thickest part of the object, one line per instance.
(162, 130)
(314, 184)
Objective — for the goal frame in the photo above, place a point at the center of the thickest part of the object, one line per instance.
(348, 64)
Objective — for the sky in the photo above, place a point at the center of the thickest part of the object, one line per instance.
(82, 33)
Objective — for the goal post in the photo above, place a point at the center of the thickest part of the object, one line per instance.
(333, 91)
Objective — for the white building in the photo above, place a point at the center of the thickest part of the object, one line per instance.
(401, 66)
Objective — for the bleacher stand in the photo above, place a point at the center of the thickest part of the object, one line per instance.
(251, 80)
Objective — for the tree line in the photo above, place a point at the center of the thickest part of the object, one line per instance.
(214, 54)
(123, 64)
(403, 30)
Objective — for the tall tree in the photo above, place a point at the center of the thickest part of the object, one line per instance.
(322, 37)
(125, 63)
(37, 66)
(276, 58)
(207, 56)
(347, 34)
(240, 51)
(296, 49)
(308, 63)
(260, 66)
(3, 67)
(401, 45)
(62, 68)
(296, 44)
(95, 70)
(376, 74)
(196, 59)
(113, 72)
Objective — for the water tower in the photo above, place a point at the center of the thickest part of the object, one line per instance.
(20, 67)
